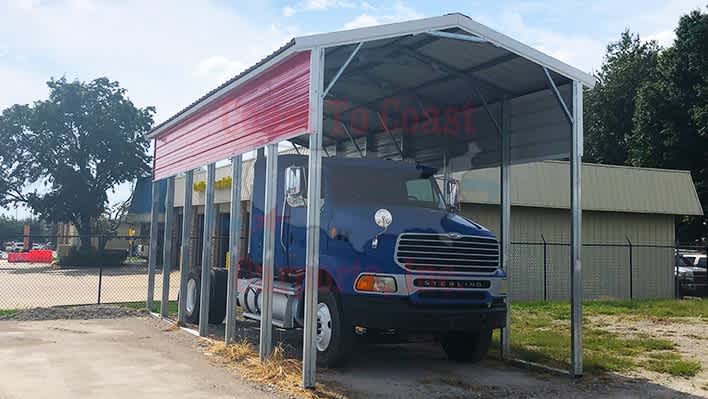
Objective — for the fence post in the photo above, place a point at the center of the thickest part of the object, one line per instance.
(677, 256)
(100, 282)
(631, 267)
(545, 268)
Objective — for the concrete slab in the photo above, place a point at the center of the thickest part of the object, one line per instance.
(114, 358)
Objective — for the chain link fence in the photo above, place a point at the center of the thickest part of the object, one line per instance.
(538, 270)
(62, 275)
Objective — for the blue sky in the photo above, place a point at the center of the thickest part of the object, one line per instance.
(168, 53)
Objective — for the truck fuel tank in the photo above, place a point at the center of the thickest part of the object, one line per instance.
(285, 301)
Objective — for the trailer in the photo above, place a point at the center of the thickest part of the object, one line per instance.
(415, 100)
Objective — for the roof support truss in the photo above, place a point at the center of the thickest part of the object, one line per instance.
(552, 83)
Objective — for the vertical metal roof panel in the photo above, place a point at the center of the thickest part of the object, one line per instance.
(271, 107)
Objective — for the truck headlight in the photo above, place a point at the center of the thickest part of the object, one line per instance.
(504, 286)
(374, 283)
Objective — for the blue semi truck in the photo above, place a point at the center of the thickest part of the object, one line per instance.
(395, 259)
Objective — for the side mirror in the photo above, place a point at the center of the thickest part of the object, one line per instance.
(452, 187)
(294, 187)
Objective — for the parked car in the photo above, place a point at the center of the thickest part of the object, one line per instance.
(14, 246)
(3, 255)
(692, 275)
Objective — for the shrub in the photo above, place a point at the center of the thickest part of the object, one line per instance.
(92, 257)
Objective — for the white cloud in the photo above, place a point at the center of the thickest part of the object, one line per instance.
(219, 68)
(20, 86)
(664, 38)
(288, 11)
(580, 51)
(382, 15)
(317, 5)
(166, 60)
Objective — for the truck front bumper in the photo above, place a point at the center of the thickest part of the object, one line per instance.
(396, 312)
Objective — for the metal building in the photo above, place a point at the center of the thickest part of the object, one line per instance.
(629, 215)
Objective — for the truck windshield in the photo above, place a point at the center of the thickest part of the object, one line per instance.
(394, 186)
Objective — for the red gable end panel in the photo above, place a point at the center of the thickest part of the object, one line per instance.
(272, 106)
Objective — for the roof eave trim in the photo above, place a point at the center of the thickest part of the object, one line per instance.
(378, 32)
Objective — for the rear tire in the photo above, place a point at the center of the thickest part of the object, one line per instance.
(335, 336)
(217, 297)
(191, 305)
(467, 346)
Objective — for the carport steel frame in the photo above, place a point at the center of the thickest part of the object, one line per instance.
(316, 45)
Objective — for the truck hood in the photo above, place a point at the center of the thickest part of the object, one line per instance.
(692, 269)
(356, 222)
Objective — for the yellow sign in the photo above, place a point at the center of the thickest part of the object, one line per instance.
(220, 184)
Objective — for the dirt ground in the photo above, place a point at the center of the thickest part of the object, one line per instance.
(422, 371)
(111, 358)
(689, 334)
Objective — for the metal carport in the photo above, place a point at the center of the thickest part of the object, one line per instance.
(444, 91)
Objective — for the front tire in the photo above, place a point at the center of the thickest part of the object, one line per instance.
(335, 336)
(467, 346)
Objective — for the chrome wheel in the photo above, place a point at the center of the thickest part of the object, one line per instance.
(324, 327)
(191, 296)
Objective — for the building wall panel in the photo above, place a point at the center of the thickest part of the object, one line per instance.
(605, 255)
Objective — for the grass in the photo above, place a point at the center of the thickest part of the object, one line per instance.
(171, 306)
(541, 333)
(659, 308)
(8, 312)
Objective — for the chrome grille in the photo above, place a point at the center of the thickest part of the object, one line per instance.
(444, 253)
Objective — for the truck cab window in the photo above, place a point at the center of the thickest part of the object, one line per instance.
(401, 186)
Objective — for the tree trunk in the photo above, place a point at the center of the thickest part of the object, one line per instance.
(84, 229)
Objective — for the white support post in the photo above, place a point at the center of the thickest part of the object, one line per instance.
(207, 244)
(576, 282)
(154, 231)
(234, 255)
(186, 246)
(269, 216)
(312, 255)
(505, 220)
(167, 246)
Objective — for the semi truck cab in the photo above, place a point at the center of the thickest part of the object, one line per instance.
(395, 258)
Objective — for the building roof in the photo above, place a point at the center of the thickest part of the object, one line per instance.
(141, 203)
(453, 22)
(605, 188)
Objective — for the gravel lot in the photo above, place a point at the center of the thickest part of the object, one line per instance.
(36, 284)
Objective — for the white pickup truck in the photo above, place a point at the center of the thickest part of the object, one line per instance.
(692, 275)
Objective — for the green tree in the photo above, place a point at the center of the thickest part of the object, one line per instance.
(610, 105)
(81, 142)
(671, 117)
